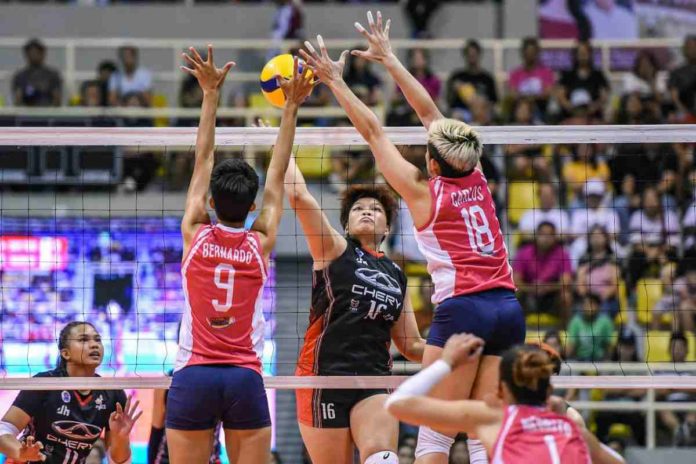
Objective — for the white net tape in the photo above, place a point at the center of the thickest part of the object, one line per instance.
(307, 136)
(677, 376)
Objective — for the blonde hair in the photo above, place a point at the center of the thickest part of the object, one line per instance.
(456, 143)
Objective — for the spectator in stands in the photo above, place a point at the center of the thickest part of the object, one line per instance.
(532, 79)
(406, 454)
(625, 204)
(190, 96)
(91, 94)
(585, 164)
(669, 302)
(582, 220)
(526, 161)
(681, 425)
(465, 84)
(543, 274)
(625, 352)
(459, 453)
(646, 261)
(419, 13)
(131, 78)
(598, 273)
(548, 211)
(682, 83)
(553, 339)
(590, 333)
(36, 84)
(105, 70)
(362, 80)
(419, 67)
(654, 219)
(583, 82)
(288, 20)
(646, 80)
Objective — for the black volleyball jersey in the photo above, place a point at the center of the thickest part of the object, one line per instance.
(68, 423)
(355, 302)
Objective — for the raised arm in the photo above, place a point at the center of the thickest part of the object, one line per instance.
(380, 51)
(121, 422)
(325, 243)
(296, 91)
(404, 177)
(405, 334)
(410, 404)
(211, 79)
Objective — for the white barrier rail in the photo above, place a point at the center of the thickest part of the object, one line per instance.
(311, 136)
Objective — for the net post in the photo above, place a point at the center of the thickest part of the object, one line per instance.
(650, 419)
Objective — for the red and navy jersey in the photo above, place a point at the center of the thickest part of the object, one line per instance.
(355, 302)
(535, 434)
(67, 422)
(223, 276)
(462, 242)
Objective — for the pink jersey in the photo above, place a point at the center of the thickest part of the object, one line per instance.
(531, 434)
(223, 277)
(462, 242)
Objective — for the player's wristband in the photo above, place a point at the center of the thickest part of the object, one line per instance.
(8, 428)
(421, 383)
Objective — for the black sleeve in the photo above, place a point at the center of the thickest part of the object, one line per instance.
(30, 401)
(153, 444)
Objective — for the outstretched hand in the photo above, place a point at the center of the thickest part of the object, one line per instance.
(327, 70)
(377, 37)
(31, 450)
(299, 86)
(209, 77)
(122, 420)
(461, 349)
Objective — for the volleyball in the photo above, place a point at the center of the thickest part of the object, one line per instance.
(281, 65)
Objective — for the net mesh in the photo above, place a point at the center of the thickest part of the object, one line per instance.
(89, 230)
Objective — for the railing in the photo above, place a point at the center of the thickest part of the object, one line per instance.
(632, 375)
(496, 47)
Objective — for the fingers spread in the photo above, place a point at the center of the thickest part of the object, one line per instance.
(386, 28)
(322, 47)
(379, 20)
(210, 53)
(361, 29)
(309, 46)
(295, 67)
(196, 55)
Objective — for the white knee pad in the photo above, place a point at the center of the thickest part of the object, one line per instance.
(430, 441)
(383, 457)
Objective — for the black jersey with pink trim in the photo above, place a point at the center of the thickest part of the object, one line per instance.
(67, 422)
(355, 302)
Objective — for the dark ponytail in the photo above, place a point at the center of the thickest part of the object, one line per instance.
(64, 338)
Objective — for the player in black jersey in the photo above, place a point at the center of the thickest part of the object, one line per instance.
(359, 306)
(61, 427)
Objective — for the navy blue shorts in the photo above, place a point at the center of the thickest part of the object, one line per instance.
(202, 396)
(494, 315)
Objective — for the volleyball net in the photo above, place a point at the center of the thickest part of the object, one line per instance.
(89, 230)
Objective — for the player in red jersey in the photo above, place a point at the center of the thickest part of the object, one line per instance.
(456, 230)
(217, 377)
(518, 426)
